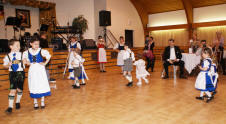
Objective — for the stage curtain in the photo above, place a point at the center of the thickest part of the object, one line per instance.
(179, 35)
(209, 33)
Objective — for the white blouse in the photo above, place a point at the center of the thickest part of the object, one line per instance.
(44, 53)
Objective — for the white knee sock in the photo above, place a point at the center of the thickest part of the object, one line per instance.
(72, 74)
(19, 96)
(145, 79)
(83, 81)
(139, 80)
(11, 100)
(43, 101)
(208, 94)
(35, 102)
(201, 94)
(129, 78)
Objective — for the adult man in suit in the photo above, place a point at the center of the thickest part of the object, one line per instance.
(172, 56)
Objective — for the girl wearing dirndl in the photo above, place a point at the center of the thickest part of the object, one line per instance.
(38, 83)
(120, 49)
(204, 81)
(101, 54)
(128, 58)
(74, 44)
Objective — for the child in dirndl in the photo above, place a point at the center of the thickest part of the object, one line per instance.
(101, 53)
(14, 62)
(77, 62)
(141, 72)
(204, 81)
(120, 49)
(37, 78)
(128, 57)
(72, 46)
(214, 75)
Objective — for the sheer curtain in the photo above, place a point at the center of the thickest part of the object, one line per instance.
(179, 35)
(209, 33)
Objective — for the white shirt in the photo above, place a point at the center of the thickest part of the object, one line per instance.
(126, 54)
(172, 53)
(45, 53)
(18, 57)
(76, 61)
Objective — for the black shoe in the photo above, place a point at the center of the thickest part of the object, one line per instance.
(209, 99)
(183, 77)
(214, 92)
(83, 84)
(165, 77)
(8, 110)
(52, 80)
(42, 107)
(104, 71)
(17, 105)
(76, 87)
(200, 98)
(101, 71)
(130, 84)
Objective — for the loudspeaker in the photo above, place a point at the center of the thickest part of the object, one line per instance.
(4, 45)
(105, 18)
(44, 27)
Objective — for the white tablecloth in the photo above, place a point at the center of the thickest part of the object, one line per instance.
(191, 61)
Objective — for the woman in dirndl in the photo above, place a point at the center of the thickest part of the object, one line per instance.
(120, 49)
(38, 83)
(101, 54)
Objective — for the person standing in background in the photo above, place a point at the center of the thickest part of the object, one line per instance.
(194, 43)
(43, 40)
(218, 50)
(148, 53)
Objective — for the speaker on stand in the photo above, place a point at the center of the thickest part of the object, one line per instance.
(104, 21)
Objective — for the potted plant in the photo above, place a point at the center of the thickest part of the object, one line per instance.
(80, 24)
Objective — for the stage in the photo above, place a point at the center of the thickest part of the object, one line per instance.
(106, 100)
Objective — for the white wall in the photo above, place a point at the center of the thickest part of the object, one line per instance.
(6, 32)
(210, 13)
(67, 10)
(167, 18)
(125, 16)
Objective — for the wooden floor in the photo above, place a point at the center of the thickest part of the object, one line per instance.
(106, 100)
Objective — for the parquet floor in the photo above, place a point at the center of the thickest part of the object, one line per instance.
(106, 100)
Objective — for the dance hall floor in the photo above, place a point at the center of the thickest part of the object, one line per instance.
(106, 100)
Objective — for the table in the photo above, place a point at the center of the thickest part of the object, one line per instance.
(190, 61)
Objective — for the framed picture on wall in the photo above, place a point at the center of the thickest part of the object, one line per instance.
(24, 16)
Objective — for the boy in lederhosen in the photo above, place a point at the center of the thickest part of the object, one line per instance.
(128, 57)
(14, 62)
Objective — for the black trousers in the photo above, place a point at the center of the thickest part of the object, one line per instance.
(150, 63)
(179, 63)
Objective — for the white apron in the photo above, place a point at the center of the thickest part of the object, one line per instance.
(37, 81)
(120, 61)
(102, 55)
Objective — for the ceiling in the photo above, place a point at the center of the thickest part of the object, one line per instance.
(158, 6)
